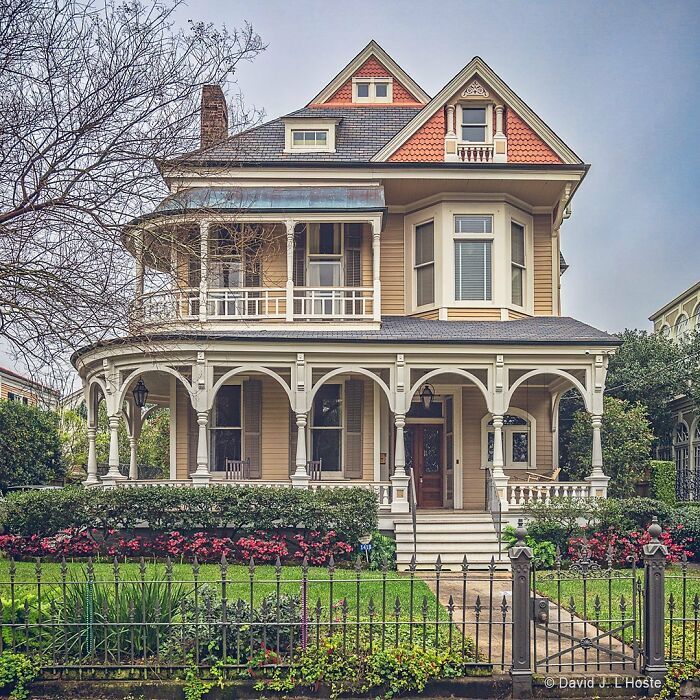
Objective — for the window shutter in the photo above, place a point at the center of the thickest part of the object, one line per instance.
(473, 270)
(353, 271)
(252, 420)
(299, 273)
(292, 441)
(353, 428)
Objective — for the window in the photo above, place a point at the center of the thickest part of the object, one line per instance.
(681, 453)
(682, 327)
(369, 90)
(516, 433)
(425, 263)
(696, 318)
(473, 259)
(517, 256)
(326, 427)
(666, 331)
(11, 396)
(324, 239)
(474, 124)
(227, 429)
(302, 138)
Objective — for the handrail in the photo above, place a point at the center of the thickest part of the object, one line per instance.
(413, 504)
(493, 503)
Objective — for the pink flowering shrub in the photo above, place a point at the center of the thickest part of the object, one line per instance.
(263, 547)
(318, 547)
(627, 547)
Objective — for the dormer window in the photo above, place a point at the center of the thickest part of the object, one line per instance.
(372, 90)
(475, 122)
(309, 135)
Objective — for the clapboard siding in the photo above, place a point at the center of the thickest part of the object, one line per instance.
(459, 314)
(392, 266)
(182, 433)
(536, 402)
(275, 431)
(473, 477)
(543, 281)
(368, 431)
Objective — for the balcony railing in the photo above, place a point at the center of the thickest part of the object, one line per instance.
(475, 154)
(258, 303)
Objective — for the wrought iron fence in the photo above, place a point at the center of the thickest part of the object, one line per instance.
(149, 618)
(682, 614)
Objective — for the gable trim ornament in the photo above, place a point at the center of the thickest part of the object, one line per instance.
(475, 89)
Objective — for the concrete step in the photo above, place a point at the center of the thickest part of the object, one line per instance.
(449, 530)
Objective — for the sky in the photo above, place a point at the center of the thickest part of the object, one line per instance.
(618, 81)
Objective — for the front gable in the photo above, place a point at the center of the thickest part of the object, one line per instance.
(372, 63)
(483, 121)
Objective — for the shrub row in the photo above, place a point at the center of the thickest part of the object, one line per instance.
(351, 512)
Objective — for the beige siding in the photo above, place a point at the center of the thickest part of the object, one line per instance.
(275, 431)
(543, 265)
(433, 315)
(460, 314)
(473, 410)
(366, 256)
(368, 431)
(182, 429)
(514, 315)
(274, 258)
(392, 266)
(536, 401)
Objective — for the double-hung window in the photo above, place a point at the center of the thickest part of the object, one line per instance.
(228, 425)
(473, 257)
(325, 267)
(517, 263)
(327, 427)
(425, 263)
(474, 124)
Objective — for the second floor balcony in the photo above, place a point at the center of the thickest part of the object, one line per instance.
(217, 264)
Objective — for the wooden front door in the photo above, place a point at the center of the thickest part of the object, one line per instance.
(424, 454)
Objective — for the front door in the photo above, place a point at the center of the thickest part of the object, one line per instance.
(424, 455)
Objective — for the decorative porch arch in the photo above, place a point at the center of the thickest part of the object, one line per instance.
(242, 369)
(550, 370)
(348, 369)
(449, 370)
(153, 368)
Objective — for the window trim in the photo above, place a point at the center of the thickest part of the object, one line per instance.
(682, 334)
(523, 267)
(507, 432)
(372, 97)
(302, 124)
(213, 427)
(416, 266)
(488, 106)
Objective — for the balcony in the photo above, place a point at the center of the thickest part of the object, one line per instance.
(259, 303)
(475, 153)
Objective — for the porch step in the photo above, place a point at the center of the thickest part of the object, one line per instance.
(452, 535)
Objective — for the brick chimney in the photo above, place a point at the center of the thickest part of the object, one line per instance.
(214, 117)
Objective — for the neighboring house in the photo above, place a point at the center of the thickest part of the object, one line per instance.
(396, 305)
(676, 320)
(17, 387)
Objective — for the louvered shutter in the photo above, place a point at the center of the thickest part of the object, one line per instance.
(299, 267)
(354, 389)
(292, 441)
(473, 270)
(252, 422)
(353, 268)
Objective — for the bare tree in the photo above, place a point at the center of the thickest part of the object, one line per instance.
(93, 95)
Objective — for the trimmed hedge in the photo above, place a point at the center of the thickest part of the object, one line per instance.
(662, 481)
(686, 520)
(351, 512)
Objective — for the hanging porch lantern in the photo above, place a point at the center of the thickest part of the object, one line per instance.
(427, 394)
(140, 393)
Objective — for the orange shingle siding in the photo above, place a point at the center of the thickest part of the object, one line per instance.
(427, 144)
(372, 68)
(524, 145)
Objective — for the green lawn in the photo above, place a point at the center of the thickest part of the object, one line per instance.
(383, 591)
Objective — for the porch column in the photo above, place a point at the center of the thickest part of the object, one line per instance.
(204, 268)
(289, 303)
(300, 478)
(500, 480)
(376, 283)
(201, 475)
(92, 477)
(500, 143)
(113, 473)
(134, 435)
(399, 479)
(597, 480)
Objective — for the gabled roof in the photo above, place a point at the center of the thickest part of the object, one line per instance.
(478, 68)
(372, 50)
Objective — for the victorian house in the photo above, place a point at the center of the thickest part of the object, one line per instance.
(364, 292)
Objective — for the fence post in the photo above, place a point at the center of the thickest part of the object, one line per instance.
(521, 669)
(654, 604)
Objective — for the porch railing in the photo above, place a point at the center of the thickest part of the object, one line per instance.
(475, 153)
(333, 302)
(521, 493)
(494, 506)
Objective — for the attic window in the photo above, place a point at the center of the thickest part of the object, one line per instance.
(309, 135)
(372, 90)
